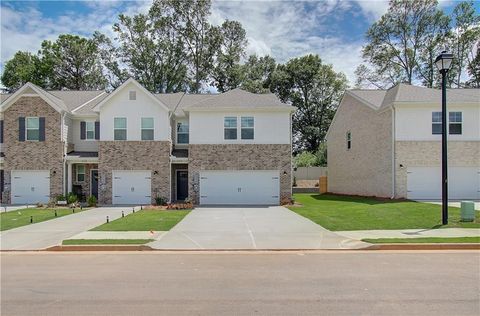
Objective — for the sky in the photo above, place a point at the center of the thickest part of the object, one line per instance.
(333, 29)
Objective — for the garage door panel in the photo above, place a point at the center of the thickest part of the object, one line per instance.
(131, 187)
(30, 186)
(239, 187)
(424, 183)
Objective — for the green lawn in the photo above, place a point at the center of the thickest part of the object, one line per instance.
(21, 217)
(427, 240)
(106, 241)
(359, 213)
(146, 220)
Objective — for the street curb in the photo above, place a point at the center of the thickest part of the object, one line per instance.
(370, 248)
(419, 246)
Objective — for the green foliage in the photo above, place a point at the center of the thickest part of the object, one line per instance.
(72, 198)
(92, 201)
(22, 68)
(474, 70)
(315, 89)
(305, 159)
(160, 200)
(257, 73)
(145, 220)
(61, 198)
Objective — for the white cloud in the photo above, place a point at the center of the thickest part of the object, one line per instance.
(373, 9)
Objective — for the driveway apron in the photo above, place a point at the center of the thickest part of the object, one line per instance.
(250, 228)
(52, 232)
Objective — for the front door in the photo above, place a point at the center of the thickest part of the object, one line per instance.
(182, 185)
(94, 183)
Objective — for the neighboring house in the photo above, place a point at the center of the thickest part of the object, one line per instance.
(131, 146)
(388, 143)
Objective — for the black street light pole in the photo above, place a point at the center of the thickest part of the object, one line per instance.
(443, 62)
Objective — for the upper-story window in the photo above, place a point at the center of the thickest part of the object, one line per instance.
(147, 128)
(132, 95)
(90, 130)
(182, 133)
(247, 124)
(455, 123)
(32, 126)
(348, 137)
(120, 128)
(230, 127)
(436, 123)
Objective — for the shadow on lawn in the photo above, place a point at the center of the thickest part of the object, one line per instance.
(357, 199)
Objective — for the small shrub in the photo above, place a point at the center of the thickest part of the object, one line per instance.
(92, 201)
(72, 198)
(159, 200)
(60, 198)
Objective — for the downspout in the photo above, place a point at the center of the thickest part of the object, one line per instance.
(64, 162)
(393, 152)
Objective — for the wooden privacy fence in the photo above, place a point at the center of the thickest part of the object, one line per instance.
(309, 173)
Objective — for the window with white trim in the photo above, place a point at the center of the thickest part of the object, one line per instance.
(247, 127)
(349, 140)
(436, 123)
(90, 130)
(455, 123)
(80, 173)
(230, 127)
(32, 127)
(147, 128)
(120, 128)
(182, 133)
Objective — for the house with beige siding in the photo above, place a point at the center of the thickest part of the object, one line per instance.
(131, 146)
(387, 143)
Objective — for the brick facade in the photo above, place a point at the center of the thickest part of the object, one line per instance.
(86, 183)
(240, 157)
(33, 155)
(134, 155)
(428, 154)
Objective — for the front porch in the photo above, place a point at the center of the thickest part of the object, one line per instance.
(82, 174)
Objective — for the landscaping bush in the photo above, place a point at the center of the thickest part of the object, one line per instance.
(72, 198)
(92, 201)
(61, 198)
(159, 200)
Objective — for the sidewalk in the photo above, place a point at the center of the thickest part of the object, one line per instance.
(119, 235)
(410, 233)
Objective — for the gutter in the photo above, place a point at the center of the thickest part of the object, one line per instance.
(393, 152)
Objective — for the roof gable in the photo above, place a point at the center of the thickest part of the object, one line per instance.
(31, 89)
(123, 86)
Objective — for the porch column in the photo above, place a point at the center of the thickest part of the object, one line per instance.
(69, 177)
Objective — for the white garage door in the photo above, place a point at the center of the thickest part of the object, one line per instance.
(131, 187)
(247, 187)
(424, 183)
(29, 187)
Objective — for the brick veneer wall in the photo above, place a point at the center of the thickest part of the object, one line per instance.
(240, 157)
(134, 155)
(428, 154)
(33, 155)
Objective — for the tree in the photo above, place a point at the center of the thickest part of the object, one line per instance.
(305, 159)
(227, 71)
(257, 73)
(315, 89)
(75, 63)
(466, 34)
(396, 41)
(189, 19)
(474, 70)
(22, 68)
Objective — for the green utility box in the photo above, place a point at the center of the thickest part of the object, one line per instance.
(468, 211)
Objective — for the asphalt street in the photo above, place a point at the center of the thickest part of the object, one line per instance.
(247, 283)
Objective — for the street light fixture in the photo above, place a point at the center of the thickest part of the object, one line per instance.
(443, 63)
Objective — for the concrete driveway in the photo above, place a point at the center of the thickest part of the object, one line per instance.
(51, 233)
(250, 228)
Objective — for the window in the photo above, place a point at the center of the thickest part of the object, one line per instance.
(436, 123)
(182, 133)
(349, 140)
(90, 130)
(33, 128)
(132, 95)
(247, 125)
(120, 128)
(455, 123)
(80, 173)
(230, 127)
(147, 128)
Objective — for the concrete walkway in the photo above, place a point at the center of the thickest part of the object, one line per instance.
(118, 235)
(250, 228)
(411, 233)
(53, 232)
